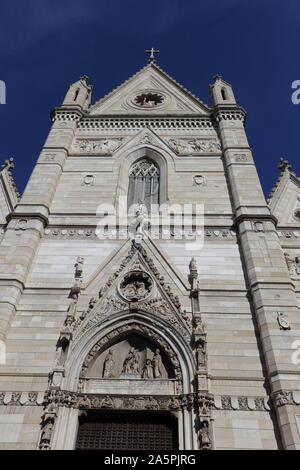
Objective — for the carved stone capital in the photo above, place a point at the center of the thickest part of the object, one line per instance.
(204, 403)
(187, 401)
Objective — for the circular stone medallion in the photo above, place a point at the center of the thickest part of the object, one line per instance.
(135, 286)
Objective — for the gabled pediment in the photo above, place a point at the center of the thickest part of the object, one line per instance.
(285, 200)
(149, 92)
(137, 285)
(145, 137)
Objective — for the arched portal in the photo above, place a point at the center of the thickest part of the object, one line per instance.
(135, 375)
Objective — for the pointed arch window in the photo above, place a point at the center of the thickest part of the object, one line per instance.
(144, 183)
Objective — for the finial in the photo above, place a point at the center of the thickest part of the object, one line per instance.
(152, 58)
(84, 78)
(217, 77)
(284, 165)
(8, 164)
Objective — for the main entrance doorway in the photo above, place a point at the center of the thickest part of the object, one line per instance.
(136, 430)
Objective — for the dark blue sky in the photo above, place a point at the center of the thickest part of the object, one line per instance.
(254, 44)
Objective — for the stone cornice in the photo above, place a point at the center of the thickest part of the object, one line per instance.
(140, 122)
(66, 114)
(71, 399)
(229, 112)
(28, 215)
(255, 217)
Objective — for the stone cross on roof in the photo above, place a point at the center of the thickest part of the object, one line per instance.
(152, 58)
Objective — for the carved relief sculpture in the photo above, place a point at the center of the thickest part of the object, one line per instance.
(191, 146)
(204, 436)
(147, 372)
(79, 266)
(157, 365)
(283, 321)
(199, 180)
(131, 362)
(109, 364)
(100, 146)
(200, 355)
(136, 286)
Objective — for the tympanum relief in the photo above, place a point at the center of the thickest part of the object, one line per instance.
(132, 358)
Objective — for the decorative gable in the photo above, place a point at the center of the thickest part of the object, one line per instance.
(136, 285)
(284, 199)
(150, 91)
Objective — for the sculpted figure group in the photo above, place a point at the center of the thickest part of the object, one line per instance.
(152, 368)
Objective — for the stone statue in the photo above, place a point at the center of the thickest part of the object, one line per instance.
(107, 402)
(297, 264)
(130, 364)
(72, 306)
(84, 402)
(173, 404)
(46, 436)
(135, 364)
(79, 266)
(8, 164)
(198, 325)
(68, 324)
(204, 434)
(157, 364)
(140, 223)
(200, 355)
(109, 364)
(290, 264)
(147, 372)
(58, 361)
(92, 302)
(152, 404)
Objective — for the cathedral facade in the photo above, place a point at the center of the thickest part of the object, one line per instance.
(149, 294)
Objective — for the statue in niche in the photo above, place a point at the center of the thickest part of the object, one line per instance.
(147, 372)
(200, 355)
(157, 365)
(204, 434)
(46, 435)
(109, 364)
(131, 362)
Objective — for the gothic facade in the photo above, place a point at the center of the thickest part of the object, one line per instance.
(112, 326)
